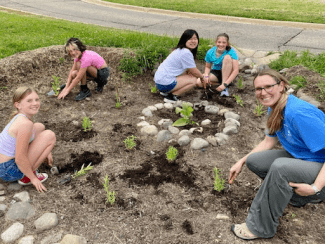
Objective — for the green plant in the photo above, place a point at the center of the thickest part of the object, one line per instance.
(219, 184)
(118, 103)
(82, 171)
(321, 87)
(153, 88)
(130, 142)
(259, 109)
(171, 153)
(3, 87)
(186, 111)
(240, 83)
(56, 84)
(299, 81)
(292, 215)
(61, 60)
(86, 124)
(239, 100)
(110, 194)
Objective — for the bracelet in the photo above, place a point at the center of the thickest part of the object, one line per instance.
(206, 76)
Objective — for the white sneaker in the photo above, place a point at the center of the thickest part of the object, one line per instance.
(224, 93)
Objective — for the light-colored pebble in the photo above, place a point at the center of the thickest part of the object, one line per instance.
(184, 133)
(152, 108)
(222, 216)
(27, 240)
(150, 130)
(184, 140)
(20, 210)
(211, 109)
(142, 124)
(73, 239)
(173, 129)
(169, 105)
(159, 105)
(206, 122)
(212, 140)
(232, 115)
(12, 233)
(164, 135)
(230, 130)
(46, 221)
(22, 196)
(147, 112)
(199, 143)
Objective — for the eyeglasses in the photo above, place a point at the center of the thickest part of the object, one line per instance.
(268, 88)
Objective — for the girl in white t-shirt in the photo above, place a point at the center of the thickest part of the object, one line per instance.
(178, 73)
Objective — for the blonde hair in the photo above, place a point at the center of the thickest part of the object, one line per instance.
(19, 95)
(274, 122)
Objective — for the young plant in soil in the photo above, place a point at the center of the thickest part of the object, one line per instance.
(118, 103)
(153, 88)
(219, 184)
(56, 84)
(130, 142)
(171, 153)
(86, 124)
(259, 109)
(3, 87)
(186, 111)
(110, 194)
(82, 171)
(61, 60)
(240, 83)
(239, 100)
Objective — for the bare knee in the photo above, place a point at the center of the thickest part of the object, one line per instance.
(48, 137)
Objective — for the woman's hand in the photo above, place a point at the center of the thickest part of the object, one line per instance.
(38, 185)
(221, 88)
(234, 171)
(63, 93)
(302, 189)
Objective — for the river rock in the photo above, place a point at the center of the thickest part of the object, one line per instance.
(164, 135)
(184, 140)
(12, 233)
(150, 130)
(199, 143)
(46, 221)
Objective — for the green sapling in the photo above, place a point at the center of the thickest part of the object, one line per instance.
(86, 124)
(219, 184)
(109, 194)
(171, 153)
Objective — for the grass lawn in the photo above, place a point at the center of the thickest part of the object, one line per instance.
(310, 11)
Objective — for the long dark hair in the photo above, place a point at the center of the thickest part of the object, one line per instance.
(76, 43)
(187, 35)
(228, 47)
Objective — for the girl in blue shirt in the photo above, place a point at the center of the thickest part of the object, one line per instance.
(221, 64)
(294, 175)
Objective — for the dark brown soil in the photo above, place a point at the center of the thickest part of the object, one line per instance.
(157, 201)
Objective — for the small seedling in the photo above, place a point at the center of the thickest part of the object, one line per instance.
(240, 83)
(118, 102)
(61, 60)
(82, 171)
(219, 184)
(239, 100)
(299, 81)
(130, 142)
(186, 111)
(259, 109)
(292, 215)
(153, 88)
(110, 194)
(171, 153)
(86, 124)
(56, 84)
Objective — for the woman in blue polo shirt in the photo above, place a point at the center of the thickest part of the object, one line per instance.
(221, 64)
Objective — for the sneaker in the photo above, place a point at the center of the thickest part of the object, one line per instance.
(299, 204)
(224, 93)
(164, 94)
(82, 95)
(100, 85)
(25, 181)
(171, 98)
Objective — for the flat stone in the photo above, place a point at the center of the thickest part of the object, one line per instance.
(73, 239)
(232, 115)
(232, 121)
(199, 143)
(150, 130)
(142, 124)
(20, 210)
(12, 233)
(159, 105)
(173, 129)
(211, 109)
(27, 240)
(147, 112)
(22, 196)
(46, 221)
(230, 130)
(164, 135)
(184, 140)
(206, 122)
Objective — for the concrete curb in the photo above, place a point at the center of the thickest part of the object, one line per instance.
(209, 16)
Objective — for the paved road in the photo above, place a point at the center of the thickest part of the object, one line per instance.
(247, 34)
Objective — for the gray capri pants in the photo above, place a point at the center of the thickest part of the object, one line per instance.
(277, 168)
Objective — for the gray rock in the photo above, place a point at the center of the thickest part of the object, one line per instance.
(12, 233)
(52, 238)
(204, 103)
(164, 135)
(152, 108)
(184, 140)
(173, 130)
(73, 239)
(20, 210)
(22, 196)
(166, 124)
(206, 122)
(211, 109)
(14, 187)
(54, 171)
(142, 124)
(3, 207)
(169, 105)
(75, 122)
(231, 121)
(178, 103)
(184, 133)
(199, 143)
(232, 115)
(160, 122)
(149, 130)
(147, 112)
(222, 136)
(46, 221)
(212, 140)
(27, 240)
(159, 105)
(230, 130)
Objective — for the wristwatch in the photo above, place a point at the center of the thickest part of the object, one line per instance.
(225, 84)
(317, 192)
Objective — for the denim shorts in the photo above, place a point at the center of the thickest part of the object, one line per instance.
(9, 171)
(166, 88)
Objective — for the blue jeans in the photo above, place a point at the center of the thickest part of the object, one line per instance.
(9, 171)
(166, 88)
